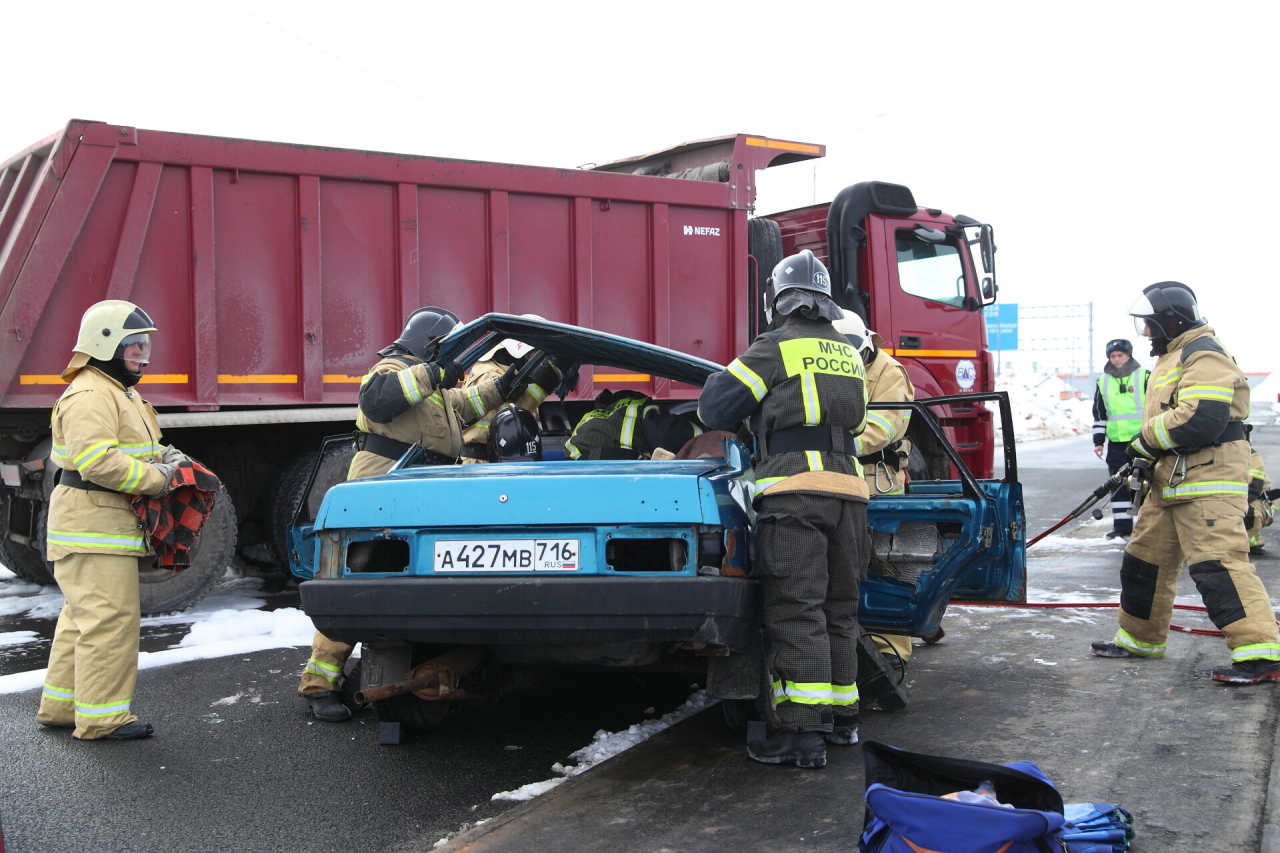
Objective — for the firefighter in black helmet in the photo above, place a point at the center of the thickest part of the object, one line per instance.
(406, 399)
(801, 384)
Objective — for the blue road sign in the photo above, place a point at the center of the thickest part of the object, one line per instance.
(1002, 325)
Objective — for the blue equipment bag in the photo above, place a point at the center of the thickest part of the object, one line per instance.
(907, 814)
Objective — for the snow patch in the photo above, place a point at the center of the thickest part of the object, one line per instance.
(604, 745)
(1039, 412)
(17, 638)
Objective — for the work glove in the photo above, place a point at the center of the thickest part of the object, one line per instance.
(547, 376)
(447, 375)
(506, 383)
(1139, 449)
(172, 456)
(167, 470)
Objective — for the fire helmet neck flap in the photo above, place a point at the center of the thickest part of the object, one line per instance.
(800, 283)
(1165, 310)
(423, 328)
(106, 329)
(513, 436)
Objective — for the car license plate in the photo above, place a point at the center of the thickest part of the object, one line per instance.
(506, 555)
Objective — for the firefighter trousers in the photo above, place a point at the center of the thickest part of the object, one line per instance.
(93, 664)
(811, 553)
(324, 670)
(1209, 535)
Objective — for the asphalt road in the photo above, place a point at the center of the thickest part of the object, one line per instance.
(238, 764)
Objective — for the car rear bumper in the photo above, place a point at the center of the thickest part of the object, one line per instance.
(516, 610)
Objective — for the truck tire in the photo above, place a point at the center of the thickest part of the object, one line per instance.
(293, 482)
(764, 243)
(164, 591)
(26, 563)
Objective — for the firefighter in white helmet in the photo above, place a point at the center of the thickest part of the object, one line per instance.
(494, 363)
(106, 447)
(883, 447)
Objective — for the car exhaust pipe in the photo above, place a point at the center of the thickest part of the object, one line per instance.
(436, 679)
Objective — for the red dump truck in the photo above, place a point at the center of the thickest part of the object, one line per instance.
(275, 271)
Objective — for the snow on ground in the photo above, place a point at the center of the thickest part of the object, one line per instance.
(227, 622)
(606, 745)
(1039, 412)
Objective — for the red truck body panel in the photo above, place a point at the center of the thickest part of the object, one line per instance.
(275, 271)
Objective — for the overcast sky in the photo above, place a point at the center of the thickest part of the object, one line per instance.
(1111, 144)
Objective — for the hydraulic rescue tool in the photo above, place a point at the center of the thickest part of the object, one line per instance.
(1114, 482)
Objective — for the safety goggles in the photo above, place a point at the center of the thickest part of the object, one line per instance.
(136, 348)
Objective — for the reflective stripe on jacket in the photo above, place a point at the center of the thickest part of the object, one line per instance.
(803, 374)
(110, 436)
(1196, 389)
(529, 399)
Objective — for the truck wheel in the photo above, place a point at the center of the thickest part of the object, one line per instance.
(414, 714)
(164, 590)
(764, 243)
(26, 563)
(293, 482)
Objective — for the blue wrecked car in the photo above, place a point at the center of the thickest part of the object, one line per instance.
(450, 576)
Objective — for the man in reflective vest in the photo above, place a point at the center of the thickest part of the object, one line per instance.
(106, 446)
(405, 400)
(801, 384)
(1117, 418)
(1196, 493)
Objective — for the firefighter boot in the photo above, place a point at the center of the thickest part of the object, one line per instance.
(1108, 649)
(1248, 672)
(327, 706)
(806, 749)
(844, 730)
(130, 731)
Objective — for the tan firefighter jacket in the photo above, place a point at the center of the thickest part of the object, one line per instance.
(529, 400)
(1195, 392)
(109, 435)
(400, 399)
(887, 382)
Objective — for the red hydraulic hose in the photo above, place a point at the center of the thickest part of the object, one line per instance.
(1200, 608)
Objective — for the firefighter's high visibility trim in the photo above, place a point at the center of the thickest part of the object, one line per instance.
(409, 385)
(814, 458)
(761, 485)
(1206, 392)
(145, 449)
(259, 379)
(1172, 376)
(327, 671)
(571, 449)
(1162, 433)
(97, 540)
(91, 454)
(535, 391)
(136, 470)
(748, 377)
(812, 405)
(473, 397)
(628, 437)
(106, 709)
(437, 399)
(1208, 487)
(803, 693)
(802, 147)
(882, 422)
(1256, 651)
(1147, 650)
(1256, 473)
(818, 355)
(844, 695)
(59, 694)
(857, 445)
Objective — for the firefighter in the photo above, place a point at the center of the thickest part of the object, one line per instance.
(475, 438)
(1261, 512)
(106, 447)
(883, 448)
(801, 384)
(1117, 420)
(405, 399)
(1195, 451)
(628, 425)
